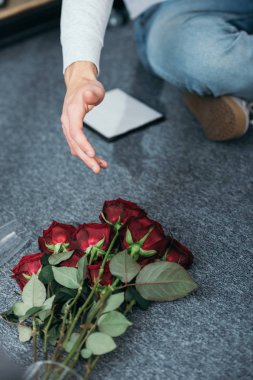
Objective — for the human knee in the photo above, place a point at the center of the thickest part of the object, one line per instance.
(190, 58)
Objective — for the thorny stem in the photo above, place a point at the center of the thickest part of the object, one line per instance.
(46, 333)
(62, 330)
(34, 335)
(91, 363)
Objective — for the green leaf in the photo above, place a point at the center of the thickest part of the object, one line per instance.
(44, 314)
(25, 333)
(123, 266)
(99, 343)
(66, 276)
(34, 292)
(53, 336)
(129, 238)
(131, 293)
(81, 268)
(164, 281)
(72, 340)
(31, 311)
(86, 353)
(114, 302)
(113, 323)
(47, 305)
(64, 294)
(20, 309)
(57, 258)
(46, 308)
(9, 316)
(44, 259)
(46, 274)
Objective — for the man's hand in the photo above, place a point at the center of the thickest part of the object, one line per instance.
(83, 93)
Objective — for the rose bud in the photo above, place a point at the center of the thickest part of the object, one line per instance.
(56, 238)
(118, 211)
(178, 253)
(93, 272)
(144, 238)
(91, 234)
(26, 266)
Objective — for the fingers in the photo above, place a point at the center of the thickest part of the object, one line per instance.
(95, 163)
(76, 111)
(77, 103)
(75, 120)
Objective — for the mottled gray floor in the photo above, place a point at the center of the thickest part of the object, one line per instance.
(200, 190)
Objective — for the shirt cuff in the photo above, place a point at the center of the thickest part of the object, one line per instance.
(74, 51)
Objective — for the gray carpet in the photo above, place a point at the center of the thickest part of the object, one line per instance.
(200, 190)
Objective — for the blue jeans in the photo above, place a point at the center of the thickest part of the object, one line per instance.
(202, 46)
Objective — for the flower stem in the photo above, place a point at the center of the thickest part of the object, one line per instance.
(46, 333)
(93, 362)
(78, 314)
(34, 334)
(80, 342)
(62, 329)
(90, 368)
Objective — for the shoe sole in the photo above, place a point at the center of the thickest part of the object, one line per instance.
(221, 118)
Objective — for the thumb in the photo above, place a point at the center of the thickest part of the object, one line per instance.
(93, 96)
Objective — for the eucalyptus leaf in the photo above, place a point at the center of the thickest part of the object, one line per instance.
(114, 302)
(81, 268)
(25, 333)
(164, 281)
(86, 353)
(66, 276)
(57, 258)
(113, 323)
(99, 343)
(34, 292)
(123, 266)
(20, 309)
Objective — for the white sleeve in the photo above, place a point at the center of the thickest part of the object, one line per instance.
(83, 24)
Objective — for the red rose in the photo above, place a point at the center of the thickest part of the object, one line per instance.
(89, 234)
(156, 240)
(26, 267)
(178, 253)
(56, 233)
(120, 210)
(73, 260)
(93, 270)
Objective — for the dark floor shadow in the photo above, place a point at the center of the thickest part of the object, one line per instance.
(147, 88)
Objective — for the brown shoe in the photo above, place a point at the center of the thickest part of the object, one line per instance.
(222, 118)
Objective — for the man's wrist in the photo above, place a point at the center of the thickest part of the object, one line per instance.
(80, 70)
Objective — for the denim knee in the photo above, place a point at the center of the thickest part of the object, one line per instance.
(196, 54)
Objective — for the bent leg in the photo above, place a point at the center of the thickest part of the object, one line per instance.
(202, 52)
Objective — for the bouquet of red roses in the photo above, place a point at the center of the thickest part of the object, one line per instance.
(77, 290)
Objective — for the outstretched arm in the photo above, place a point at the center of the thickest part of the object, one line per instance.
(83, 25)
